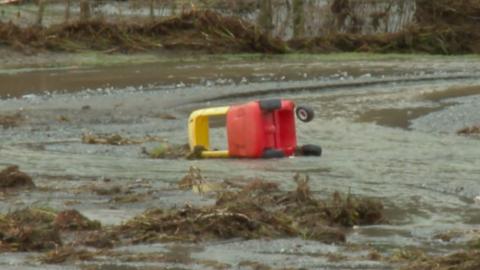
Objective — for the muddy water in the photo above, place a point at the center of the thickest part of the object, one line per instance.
(387, 129)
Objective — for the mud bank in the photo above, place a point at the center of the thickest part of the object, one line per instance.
(195, 31)
(442, 27)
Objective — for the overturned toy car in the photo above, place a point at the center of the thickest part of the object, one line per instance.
(258, 129)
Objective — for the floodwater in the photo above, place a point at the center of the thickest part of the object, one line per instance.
(387, 128)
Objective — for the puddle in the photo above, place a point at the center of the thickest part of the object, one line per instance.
(399, 118)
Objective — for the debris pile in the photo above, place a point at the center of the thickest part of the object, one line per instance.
(9, 121)
(72, 220)
(473, 130)
(242, 209)
(168, 151)
(115, 139)
(466, 260)
(12, 177)
(194, 181)
(35, 229)
(196, 30)
(28, 230)
(164, 150)
(257, 210)
(64, 254)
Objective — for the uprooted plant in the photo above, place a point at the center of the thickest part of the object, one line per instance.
(38, 229)
(12, 177)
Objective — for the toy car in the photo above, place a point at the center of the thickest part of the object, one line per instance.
(257, 129)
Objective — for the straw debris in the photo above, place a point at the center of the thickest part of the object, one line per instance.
(37, 229)
(65, 254)
(168, 151)
(465, 260)
(258, 210)
(72, 220)
(468, 131)
(12, 177)
(115, 139)
(196, 30)
(28, 230)
(194, 181)
(10, 121)
(440, 27)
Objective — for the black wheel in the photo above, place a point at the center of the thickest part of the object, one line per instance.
(311, 150)
(273, 153)
(270, 104)
(304, 113)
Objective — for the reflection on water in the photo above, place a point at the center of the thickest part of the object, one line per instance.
(395, 117)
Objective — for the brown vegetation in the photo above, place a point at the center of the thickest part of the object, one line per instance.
(35, 229)
(28, 230)
(250, 210)
(168, 151)
(441, 27)
(257, 210)
(473, 130)
(64, 254)
(9, 121)
(115, 139)
(12, 177)
(466, 260)
(203, 30)
(72, 220)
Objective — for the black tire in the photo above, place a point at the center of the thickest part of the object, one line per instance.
(270, 104)
(304, 113)
(311, 150)
(273, 153)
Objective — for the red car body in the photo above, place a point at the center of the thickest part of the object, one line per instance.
(253, 130)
